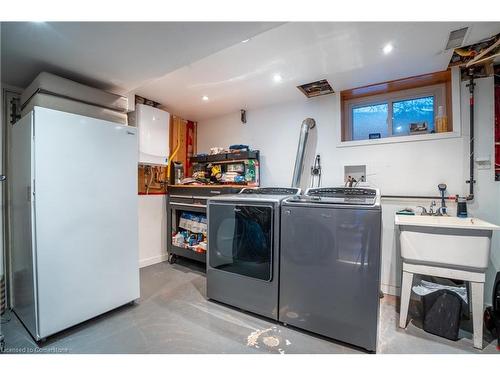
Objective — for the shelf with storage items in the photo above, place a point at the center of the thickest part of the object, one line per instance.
(186, 219)
(229, 168)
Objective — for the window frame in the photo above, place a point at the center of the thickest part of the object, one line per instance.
(438, 91)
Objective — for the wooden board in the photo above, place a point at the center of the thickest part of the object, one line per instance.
(152, 180)
(397, 85)
(179, 135)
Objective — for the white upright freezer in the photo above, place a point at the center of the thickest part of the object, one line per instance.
(74, 244)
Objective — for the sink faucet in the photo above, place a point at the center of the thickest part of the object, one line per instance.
(429, 212)
(424, 210)
(431, 209)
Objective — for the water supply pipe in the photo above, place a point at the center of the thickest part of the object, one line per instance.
(471, 180)
(307, 125)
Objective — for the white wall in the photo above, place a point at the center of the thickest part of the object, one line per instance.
(407, 168)
(152, 229)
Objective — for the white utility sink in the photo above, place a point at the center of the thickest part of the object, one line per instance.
(446, 246)
(445, 241)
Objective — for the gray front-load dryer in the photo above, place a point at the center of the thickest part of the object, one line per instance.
(243, 249)
(330, 264)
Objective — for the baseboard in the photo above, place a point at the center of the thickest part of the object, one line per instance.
(152, 260)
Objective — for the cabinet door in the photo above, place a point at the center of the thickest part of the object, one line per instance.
(240, 239)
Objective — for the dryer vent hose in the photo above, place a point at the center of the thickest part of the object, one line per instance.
(307, 125)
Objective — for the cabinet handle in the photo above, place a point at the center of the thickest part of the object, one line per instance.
(188, 204)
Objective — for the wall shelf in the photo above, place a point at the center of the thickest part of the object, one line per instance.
(226, 157)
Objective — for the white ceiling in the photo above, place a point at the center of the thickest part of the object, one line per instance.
(347, 54)
(178, 63)
(117, 56)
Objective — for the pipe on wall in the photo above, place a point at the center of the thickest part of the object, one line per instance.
(471, 180)
(307, 125)
(449, 198)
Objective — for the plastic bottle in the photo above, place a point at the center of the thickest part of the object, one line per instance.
(441, 122)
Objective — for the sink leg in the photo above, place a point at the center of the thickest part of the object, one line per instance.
(477, 291)
(405, 297)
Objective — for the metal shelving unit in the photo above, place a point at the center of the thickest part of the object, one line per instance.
(193, 198)
(189, 199)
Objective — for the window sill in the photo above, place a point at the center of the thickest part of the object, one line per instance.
(404, 138)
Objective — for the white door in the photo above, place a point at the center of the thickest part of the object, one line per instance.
(86, 217)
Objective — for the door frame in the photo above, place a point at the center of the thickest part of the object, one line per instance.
(7, 94)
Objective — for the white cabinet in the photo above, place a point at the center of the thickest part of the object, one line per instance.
(153, 125)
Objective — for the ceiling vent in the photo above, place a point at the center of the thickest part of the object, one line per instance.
(456, 38)
(317, 88)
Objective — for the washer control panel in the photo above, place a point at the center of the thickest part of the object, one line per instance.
(341, 192)
(272, 191)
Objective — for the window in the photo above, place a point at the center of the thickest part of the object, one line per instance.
(406, 112)
(396, 109)
(369, 119)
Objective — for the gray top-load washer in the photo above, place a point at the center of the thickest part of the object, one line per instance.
(330, 263)
(243, 249)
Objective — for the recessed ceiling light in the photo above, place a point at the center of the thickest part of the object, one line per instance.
(204, 98)
(277, 78)
(244, 41)
(388, 48)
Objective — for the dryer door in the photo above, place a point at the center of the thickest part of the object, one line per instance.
(240, 239)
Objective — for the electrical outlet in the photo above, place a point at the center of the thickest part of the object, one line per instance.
(483, 162)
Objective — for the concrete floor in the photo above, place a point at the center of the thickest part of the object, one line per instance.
(173, 316)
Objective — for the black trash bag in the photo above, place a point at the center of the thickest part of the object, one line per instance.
(442, 312)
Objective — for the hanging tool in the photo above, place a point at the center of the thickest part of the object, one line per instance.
(442, 210)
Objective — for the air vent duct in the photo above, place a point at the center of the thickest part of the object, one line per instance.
(317, 88)
(456, 38)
